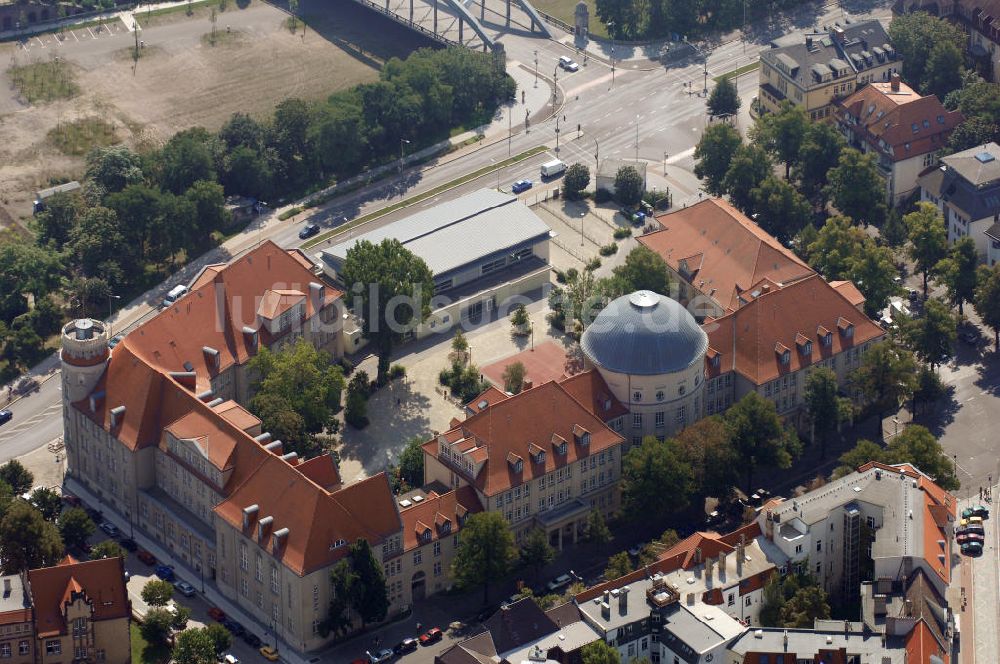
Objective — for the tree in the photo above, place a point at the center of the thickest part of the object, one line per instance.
(157, 592)
(713, 155)
(805, 606)
(194, 646)
(656, 480)
(958, 272)
(976, 130)
(836, 245)
(98, 246)
(485, 552)
(782, 133)
(599, 652)
(108, 548)
(393, 288)
(929, 388)
(749, 167)
(221, 637)
(343, 586)
(356, 405)
(536, 552)
(577, 179)
(27, 541)
(894, 230)
(411, 462)
(781, 211)
(209, 201)
(75, 527)
(628, 186)
(819, 152)
(519, 319)
(944, 69)
(597, 529)
(618, 566)
(724, 100)
(987, 300)
(459, 347)
(928, 239)
(707, 446)
(372, 599)
(157, 625)
(886, 377)
(184, 160)
(643, 269)
(297, 392)
(113, 168)
(915, 37)
(874, 272)
(48, 502)
(759, 437)
(932, 335)
(15, 475)
(918, 446)
(513, 377)
(772, 602)
(856, 188)
(822, 404)
(859, 455)
(55, 222)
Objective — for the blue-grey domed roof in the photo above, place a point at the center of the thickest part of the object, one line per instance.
(645, 334)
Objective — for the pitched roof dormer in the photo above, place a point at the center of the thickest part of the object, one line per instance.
(559, 444)
(846, 327)
(515, 462)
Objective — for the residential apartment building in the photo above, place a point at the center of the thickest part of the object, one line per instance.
(978, 18)
(906, 133)
(720, 258)
(157, 432)
(73, 611)
(540, 458)
(772, 343)
(966, 189)
(816, 69)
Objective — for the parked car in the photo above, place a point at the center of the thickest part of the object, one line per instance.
(379, 657)
(409, 644)
(559, 583)
(110, 529)
(966, 536)
(146, 557)
(970, 529)
(95, 514)
(269, 653)
(229, 659)
(129, 544)
(973, 549)
(971, 521)
(252, 640)
(433, 635)
(71, 500)
(981, 511)
(236, 628)
(568, 64)
(521, 185)
(970, 337)
(6, 416)
(912, 294)
(308, 231)
(216, 614)
(165, 572)
(184, 588)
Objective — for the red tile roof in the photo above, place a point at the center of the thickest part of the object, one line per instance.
(433, 510)
(746, 338)
(902, 120)
(921, 646)
(726, 253)
(101, 581)
(849, 291)
(504, 431)
(316, 519)
(590, 390)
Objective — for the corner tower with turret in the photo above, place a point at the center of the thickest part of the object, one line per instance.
(84, 356)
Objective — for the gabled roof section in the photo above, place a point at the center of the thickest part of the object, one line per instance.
(747, 337)
(849, 291)
(102, 582)
(433, 510)
(590, 391)
(503, 432)
(518, 624)
(735, 253)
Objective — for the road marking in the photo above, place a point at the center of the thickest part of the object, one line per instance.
(91, 33)
(73, 32)
(40, 42)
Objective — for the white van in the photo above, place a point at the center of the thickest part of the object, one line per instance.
(176, 293)
(553, 168)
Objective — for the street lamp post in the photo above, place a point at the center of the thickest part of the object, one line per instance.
(111, 298)
(402, 142)
(536, 67)
(597, 157)
(610, 25)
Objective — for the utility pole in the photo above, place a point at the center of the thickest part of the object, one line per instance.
(536, 67)
(555, 89)
(705, 90)
(402, 142)
(557, 133)
(597, 157)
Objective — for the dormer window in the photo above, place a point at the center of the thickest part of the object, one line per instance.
(716, 361)
(846, 327)
(446, 527)
(515, 462)
(581, 436)
(559, 444)
(784, 354)
(425, 536)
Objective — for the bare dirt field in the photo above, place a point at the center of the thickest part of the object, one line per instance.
(182, 80)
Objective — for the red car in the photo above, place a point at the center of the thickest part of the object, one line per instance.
(216, 614)
(146, 557)
(433, 635)
(969, 536)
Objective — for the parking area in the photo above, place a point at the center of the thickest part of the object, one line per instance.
(111, 29)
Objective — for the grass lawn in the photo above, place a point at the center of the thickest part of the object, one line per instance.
(563, 9)
(44, 81)
(738, 72)
(143, 653)
(78, 137)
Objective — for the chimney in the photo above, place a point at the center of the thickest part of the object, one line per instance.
(186, 378)
(206, 395)
(316, 293)
(606, 606)
(212, 357)
(809, 42)
(249, 514)
(839, 35)
(117, 414)
(623, 601)
(784, 640)
(722, 563)
(217, 401)
(709, 568)
(740, 555)
(894, 82)
(697, 555)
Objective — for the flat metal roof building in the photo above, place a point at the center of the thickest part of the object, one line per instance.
(461, 240)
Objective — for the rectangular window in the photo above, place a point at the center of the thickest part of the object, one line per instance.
(659, 419)
(23, 647)
(819, 545)
(53, 647)
(274, 579)
(259, 573)
(418, 557)
(636, 420)
(260, 599)
(731, 599)
(437, 545)
(5, 650)
(244, 587)
(244, 564)
(437, 568)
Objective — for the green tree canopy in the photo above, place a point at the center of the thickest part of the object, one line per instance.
(513, 377)
(714, 154)
(17, 477)
(928, 239)
(597, 529)
(157, 592)
(108, 548)
(782, 133)
(859, 455)
(944, 69)
(932, 335)
(958, 272)
(706, 445)
(835, 248)
(656, 480)
(184, 160)
(75, 526)
(57, 220)
(485, 552)
(873, 271)
(749, 167)
(819, 152)
(918, 446)
(758, 436)
(411, 462)
(781, 210)
(599, 652)
(27, 541)
(629, 186)
(194, 646)
(393, 288)
(643, 269)
(987, 300)
(221, 637)
(536, 552)
(885, 378)
(577, 179)
(724, 99)
(822, 404)
(618, 566)
(856, 188)
(372, 598)
(113, 168)
(157, 625)
(48, 502)
(915, 36)
(805, 606)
